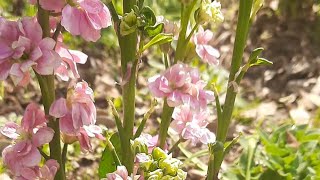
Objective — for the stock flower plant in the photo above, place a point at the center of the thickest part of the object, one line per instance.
(37, 44)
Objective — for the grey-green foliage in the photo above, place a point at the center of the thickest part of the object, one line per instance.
(289, 152)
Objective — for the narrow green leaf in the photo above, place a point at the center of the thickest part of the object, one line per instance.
(107, 164)
(255, 54)
(261, 61)
(157, 40)
(153, 30)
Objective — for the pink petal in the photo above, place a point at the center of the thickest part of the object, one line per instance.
(71, 19)
(43, 136)
(66, 124)
(4, 70)
(59, 108)
(28, 173)
(32, 117)
(10, 130)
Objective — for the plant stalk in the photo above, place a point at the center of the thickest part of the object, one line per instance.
(128, 49)
(225, 119)
(165, 123)
(48, 96)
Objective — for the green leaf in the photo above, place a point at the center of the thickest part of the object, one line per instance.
(107, 164)
(261, 61)
(157, 40)
(230, 144)
(255, 54)
(149, 17)
(254, 59)
(153, 30)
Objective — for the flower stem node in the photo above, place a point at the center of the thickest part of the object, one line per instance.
(128, 23)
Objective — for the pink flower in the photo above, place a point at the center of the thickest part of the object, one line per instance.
(86, 133)
(150, 141)
(50, 5)
(120, 174)
(206, 52)
(22, 47)
(181, 84)
(46, 172)
(75, 111)
(86, 18)
(70, 58)
(32, 134)
(191, 125)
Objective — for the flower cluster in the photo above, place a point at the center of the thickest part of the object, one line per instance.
(191, 125)
(205, 51)
(22, 47)
(160, 165)
(210, 11)
(77, 115)
(80, 17)
(23, 157)
(183, 89)
(181, 84)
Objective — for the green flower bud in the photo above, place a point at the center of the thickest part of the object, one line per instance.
(158, 154)
(155, 175)
(128, 23)
(138, 145)
(181, 175)
(209, 12)
(170, 166)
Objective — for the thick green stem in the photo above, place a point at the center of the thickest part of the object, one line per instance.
(165, 123)
(48, 96)
(128, 48)
(225, 119)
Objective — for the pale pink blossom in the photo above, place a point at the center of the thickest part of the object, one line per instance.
(22, 47)
(68, 67)
(191, 125)
(46, 172)
(204, 50)
(120, 174)
(86, 133)
(32, 133)
(181, 84)
(75, 111)
(86, 18)
(150, 141)
(50, 5)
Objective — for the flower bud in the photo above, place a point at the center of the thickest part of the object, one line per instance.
(128, 23)
(138, 145)
(155, 175)
(144, 161)
(158, 154)
(209, 12)
(170, 166)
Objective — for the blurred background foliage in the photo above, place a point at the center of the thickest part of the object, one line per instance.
(277, 110)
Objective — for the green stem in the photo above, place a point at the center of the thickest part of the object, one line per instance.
(224, 122)
(175, 145)
(145, 118)
(165, 123)
(128, 49)
(182, 43)
(43, 154)
(64, 155)
(48, 96)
